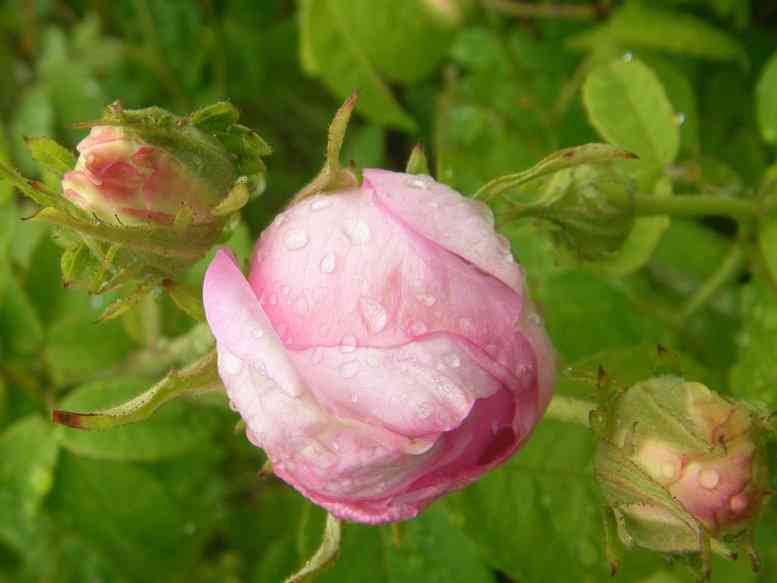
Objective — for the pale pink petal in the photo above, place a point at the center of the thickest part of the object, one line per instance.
(339, 270)
(241, 326)
(460, 225)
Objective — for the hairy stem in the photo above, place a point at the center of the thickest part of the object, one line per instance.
(698, 205)
(570, 410)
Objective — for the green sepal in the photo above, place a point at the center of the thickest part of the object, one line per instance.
(333, 176)
(187, 298)
(50, 155)
(216, 117)
(199, 377)
(418, 163)
(567, 158)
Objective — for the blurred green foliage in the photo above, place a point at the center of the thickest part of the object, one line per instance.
(490, 87)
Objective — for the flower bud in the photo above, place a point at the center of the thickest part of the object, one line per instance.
(589, 206)
(678, 463)
(121, 178)
(383, 350)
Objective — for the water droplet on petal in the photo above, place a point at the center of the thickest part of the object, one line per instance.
(424, 409)
(372, 360)
(348, 344)
(320, 204)
(350, 369)
(709, 479)
(534, 319)
(354, 398)
(328, 263)
(418, 328)
(427, 299)
(358, 232)
(452, 360)
(420, 182)
(483, 211)
(295, 239)
(232, 364)
(258, 333)
(374, 315)
(738, 503)
(467, 326)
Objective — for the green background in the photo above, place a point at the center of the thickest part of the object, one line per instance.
(488, 92)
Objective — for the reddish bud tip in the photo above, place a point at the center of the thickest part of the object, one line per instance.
(68, 418)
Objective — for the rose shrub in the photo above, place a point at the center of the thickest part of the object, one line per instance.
(383, 350)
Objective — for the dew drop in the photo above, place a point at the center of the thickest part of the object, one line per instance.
(679, 119)
(348, 344)
(320, 204)
(374, 315)
(295, 239)
(467, 326)
(420, 182)
(354, 398)
(424, 409)
(328, 263)
(483, 211)
(350, 369)
(372, 360)
(452, 360)
(628, 57)
(258, 333)
(668, 470)
(709, 479)
(427, 299)
(534, 319)
(418, 328)
(738, 503)
(232, 364)
(358, 232)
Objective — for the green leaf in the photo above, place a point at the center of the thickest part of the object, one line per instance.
(28, 454)
(766, 100)
(20, 327)
(123, 511)
(640, 24)
(428, 549)
(537, 518)
(611, 319)
(328, 50)
(100, 346)
(627, 105)
(754, 375)
(174, 430)
(34, 116)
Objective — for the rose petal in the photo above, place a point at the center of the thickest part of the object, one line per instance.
(462, 226)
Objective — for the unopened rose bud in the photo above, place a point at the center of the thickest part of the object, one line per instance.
(383, 350)
(122, 178)
(679, 463)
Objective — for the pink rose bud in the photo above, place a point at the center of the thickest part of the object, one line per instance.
(383, 350)
(681, 461)
(121, 178)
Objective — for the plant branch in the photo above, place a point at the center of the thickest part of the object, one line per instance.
(728, 269)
